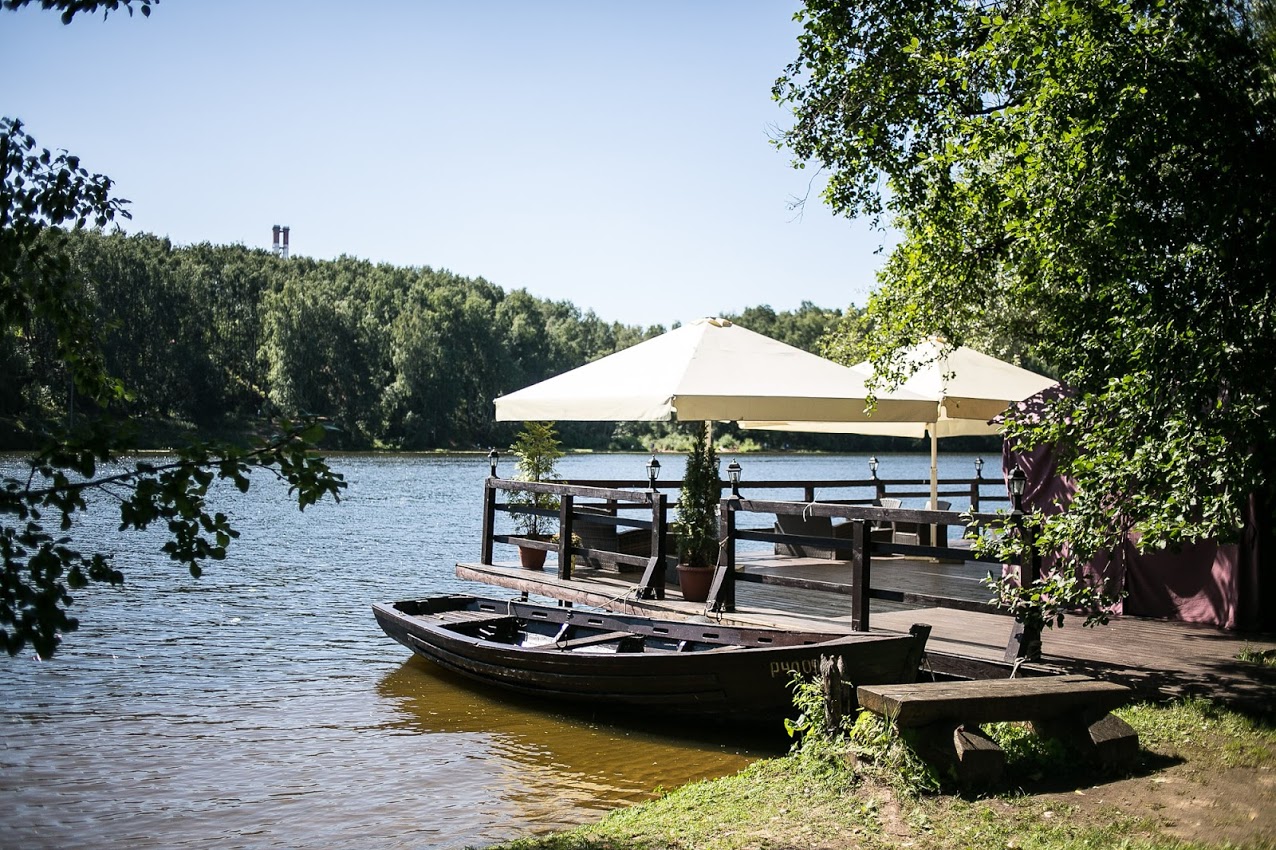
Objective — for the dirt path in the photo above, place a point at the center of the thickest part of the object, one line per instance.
(1231, 804)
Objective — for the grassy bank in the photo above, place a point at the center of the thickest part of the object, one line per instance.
(1206, 778)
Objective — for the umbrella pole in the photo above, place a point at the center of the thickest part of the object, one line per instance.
(934, 467)
(934, 479)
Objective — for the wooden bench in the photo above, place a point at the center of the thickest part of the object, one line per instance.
(943, 718)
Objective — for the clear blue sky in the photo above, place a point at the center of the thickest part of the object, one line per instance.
(612, 154)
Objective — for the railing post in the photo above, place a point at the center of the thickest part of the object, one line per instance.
(1033, 565)
(1025, 638)
(489, 521)
(974, 495)
(722, 591)
(652, 585)
(860, 575)
(809, 493)
(565, 556)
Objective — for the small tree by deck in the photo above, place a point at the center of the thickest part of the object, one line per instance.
(538, 451)
(696, 528)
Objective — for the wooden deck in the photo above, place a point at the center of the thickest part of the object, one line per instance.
(1154, 657)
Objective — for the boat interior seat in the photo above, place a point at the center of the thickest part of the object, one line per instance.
(499, 629)
(625, 641)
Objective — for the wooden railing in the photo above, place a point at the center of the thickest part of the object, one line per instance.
(960, 491)
(611, 499)
(859, 545)
(626, 505)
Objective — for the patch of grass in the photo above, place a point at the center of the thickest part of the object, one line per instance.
(1210, 735)
(1030, 757)
(866, 746)
(880, 753)
(1025, 822)
(1264, 657)
(772, 803)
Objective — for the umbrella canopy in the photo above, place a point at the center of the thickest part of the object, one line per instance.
(965, 388)
(709, 370)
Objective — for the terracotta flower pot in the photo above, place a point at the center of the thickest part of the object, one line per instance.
(694, 582)
(532, 559)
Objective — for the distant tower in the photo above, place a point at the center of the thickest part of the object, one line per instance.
(275, 244)
(285, 251)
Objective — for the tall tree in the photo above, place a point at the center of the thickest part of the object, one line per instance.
(323, 350)
(446, 359)
(1096, 179)
(802, 328)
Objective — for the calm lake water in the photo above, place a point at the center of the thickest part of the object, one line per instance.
(261, 706)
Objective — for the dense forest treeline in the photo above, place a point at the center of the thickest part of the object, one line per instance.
(209, 339)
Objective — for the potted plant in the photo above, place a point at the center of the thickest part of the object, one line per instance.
(538, 450)
(696, 528)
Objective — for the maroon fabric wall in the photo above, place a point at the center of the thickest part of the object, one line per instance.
(1219, 585)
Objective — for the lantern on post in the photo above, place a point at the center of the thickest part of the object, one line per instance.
(976, 483)
(491, 461)
(653, 471)
(1017, 483)
(733, 474)
(879, 486)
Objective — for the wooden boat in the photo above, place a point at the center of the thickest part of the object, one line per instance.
(633, 662)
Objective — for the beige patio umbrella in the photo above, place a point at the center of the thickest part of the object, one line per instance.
(710, 370)
(965, 389)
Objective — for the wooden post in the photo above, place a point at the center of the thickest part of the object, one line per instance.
(565, 504)
(1025, 639)
(809, 493)
(979, 760)
(1107, 739)
(974, 495)
(659, 541)
(722, 591)
(860, 575)
(912, 666)
(489, 522)
(652, 585)
(832, 677)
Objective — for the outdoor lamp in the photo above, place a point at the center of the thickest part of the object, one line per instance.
(653, 471)
(979, 467)
(872, 466)
(733, 473)
(491, 460)
(1017, 482)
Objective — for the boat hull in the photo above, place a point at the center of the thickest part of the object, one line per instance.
(636, 663)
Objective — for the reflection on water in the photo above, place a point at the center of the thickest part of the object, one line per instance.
(592, 763)
(261, 706)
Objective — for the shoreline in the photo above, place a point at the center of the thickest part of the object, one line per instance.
(1206, 777)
